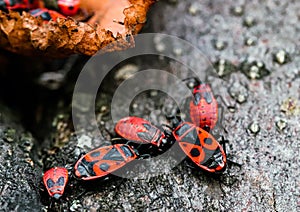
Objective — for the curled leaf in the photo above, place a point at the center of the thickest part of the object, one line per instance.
(112, 25)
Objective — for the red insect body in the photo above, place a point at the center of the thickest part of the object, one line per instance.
(18, 4)
(68, 7)
(201, 147)
(46, 14)
(204, 107)
(55, 180)
(103, 161)
(140, 130)
(31, 4)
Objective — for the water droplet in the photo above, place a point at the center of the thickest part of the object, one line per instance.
(250, 41)
(281, 124)
(290, 106)
(254, 128)
(219, 44)
(238, 92)
(254, 70)
(237, 10)
(194, 9)
(281, 57)
(224, 67)
(249, 21)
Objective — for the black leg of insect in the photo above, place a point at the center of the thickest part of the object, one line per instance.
(219, 129)
(228, 179)
(229, 161)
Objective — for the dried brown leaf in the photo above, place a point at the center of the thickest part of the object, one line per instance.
(27, 35)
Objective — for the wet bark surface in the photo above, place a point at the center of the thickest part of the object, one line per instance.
(19, 178)
(254, 49)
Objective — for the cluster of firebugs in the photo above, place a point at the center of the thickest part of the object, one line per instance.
(194, 139)
(36, 8)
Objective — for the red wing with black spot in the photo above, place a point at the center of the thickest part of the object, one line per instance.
(103, 161)
(55, 180)
(140, 130)
(201, 147)
(18, 5)
(204, 107)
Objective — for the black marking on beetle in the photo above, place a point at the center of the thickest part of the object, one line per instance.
(113, 154)
(104, 167)
(147, 126)
(95, 154)
(208, 141)
(50, 183)
(88, 166)
(191, 137)
(145, 136)
(60, 181)
(208, 97)
(196, 98)
(126, 151)
(195, 152)
(182, 129)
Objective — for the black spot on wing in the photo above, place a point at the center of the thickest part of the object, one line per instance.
(50, 183)
(85, 168)
(126, 151)
(95, 154)
(104, 166)
(182, 129)
(208, 97)
(192, 137)
(208, 141)
(147, 126)
(195, 152)
(144, 136)
(60, 181)
(196, 98)
(151, 129)
(113, 154)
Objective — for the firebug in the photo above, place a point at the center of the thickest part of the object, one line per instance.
(68, 7)
(204, 107)
(140, 130)
(104, 161)
(55, 180)
(46, 14)
(200, 146)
